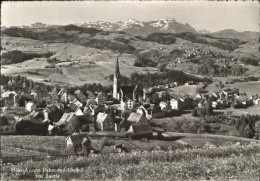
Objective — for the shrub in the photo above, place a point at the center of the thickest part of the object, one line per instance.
(250, 61)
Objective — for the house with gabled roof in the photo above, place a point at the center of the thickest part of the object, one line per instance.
(80, 96)
(163, 105)
(146, 109)
(9, 98)
(30, 106)
(91, 101)
(135, 118)
(78, 112)
(66, 118)
(139, 131)
(76, 140)
(104, 122)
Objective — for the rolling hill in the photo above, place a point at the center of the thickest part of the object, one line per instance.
(92, 50)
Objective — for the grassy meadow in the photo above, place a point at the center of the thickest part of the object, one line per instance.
(227, 160)
(222, 163)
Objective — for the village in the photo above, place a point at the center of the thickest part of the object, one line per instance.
(127, 112)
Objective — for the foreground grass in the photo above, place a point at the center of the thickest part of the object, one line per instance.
(222, 163)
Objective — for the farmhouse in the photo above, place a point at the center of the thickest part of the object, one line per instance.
(9, 98)
(140, 131)
(8, 124)
(76, 140)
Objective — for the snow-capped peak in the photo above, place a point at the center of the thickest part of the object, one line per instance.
(161, 24)
(132, 21)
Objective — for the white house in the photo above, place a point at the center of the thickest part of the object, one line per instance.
(174, 103)
(30, 106)
(257, 101)
(146, 109)
(78, 112)
(198, 96)
(162, 105)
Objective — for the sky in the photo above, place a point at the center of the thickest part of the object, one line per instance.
(209, 15)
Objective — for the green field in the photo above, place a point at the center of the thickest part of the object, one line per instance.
(226, 161)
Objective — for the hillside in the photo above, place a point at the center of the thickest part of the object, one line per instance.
(90, 53)
(229, 33)
(239, 157)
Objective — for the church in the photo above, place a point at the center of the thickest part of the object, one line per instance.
(127, 95)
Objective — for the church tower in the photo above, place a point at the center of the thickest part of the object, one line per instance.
(116, 84)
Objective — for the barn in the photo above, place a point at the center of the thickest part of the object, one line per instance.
(137, 131)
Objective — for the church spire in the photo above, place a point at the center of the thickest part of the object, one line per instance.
(117, 73)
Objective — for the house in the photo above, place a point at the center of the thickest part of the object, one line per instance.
(147, 110)
(80, 96)
(78, 112)
(256, 101)
(36, 116)
(91, 101)
(34, 94)
(77, 103)
(9, 98)
(228, 92)
(186, 102)
(157, 112)
(163, 105)
(200, 104)
(104, 122)
(100, 99)
(215, 104)
(135, 118)
(175, 103)
(46, 113)
(76, 140)
(65, 119)
(249, 101)
(8, 124)
(93, 109)
(63, 96)
(127, 105)
(161, 94)
(198, 97)
(30, 106)
(139, 131)
(147, 92)
(90, 95)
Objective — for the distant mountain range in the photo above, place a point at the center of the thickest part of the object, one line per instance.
(230, 33)
(168, 25)
(131, 26)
